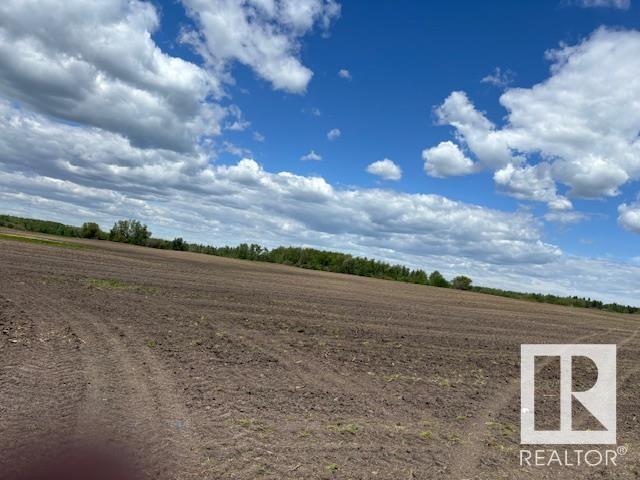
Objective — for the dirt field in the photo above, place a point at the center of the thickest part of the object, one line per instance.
(207, 368)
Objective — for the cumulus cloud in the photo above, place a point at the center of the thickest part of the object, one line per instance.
(385, 169)
(333, 134)
(629, 216)
(32, 143)
(582, 121)
(619, 4)
(237, 122)
(476, 131)
(102, 172)
(531, 182)
(344, 73)
(565, 217)
(311, 156)
(263, 35)
(236, 150)
(499, 78)
(570, 275)
(96, 63)
(446, 160)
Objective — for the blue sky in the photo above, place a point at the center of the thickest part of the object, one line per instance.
(506, 120)
(403, 62)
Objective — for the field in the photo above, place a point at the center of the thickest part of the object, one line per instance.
(207, 368)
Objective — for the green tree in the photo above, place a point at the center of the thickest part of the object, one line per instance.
(120, 231)
(420, 276)
(140, 234)
(130, 231)
(90, 230)
(461, 283)
(178, 244)
(437, 280)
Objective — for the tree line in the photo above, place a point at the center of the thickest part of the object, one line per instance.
(134, 232)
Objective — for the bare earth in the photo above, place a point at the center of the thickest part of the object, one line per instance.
(208, 368)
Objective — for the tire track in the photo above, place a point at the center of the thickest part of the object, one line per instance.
(45, 362)
(131, 399)
(85, 386)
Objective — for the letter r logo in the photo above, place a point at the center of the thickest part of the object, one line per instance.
(600, 400)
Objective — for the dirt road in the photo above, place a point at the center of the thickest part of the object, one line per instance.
(204, 367)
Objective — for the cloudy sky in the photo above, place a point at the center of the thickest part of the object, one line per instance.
(495, 140)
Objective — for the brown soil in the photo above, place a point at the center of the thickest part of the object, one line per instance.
(204, 367)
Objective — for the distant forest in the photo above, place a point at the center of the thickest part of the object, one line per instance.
(134, 232)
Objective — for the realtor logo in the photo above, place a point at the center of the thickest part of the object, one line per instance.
(599, 400)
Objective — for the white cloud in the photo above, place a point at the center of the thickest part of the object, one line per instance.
(262, 34)
(95, 63)
(311, 156)
(333, 134)
(237, 121)
(344, 73)
(31, 143)
(235, 150)
(41, 159)
(258, 137)
(500, 78)
(565, 217)
(313, 111)
(603, 279)
(446, 160)
(619, 4)
(475, 130)
(583, 122)
(385, 169)
(629, 216)
(531, 182)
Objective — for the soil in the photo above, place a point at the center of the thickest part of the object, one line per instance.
(199, 367)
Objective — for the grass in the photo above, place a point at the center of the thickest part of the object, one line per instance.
(479, 377)
(107, 283)
(245, 422)
(250, 424)
(426, 434)
(40, 241)
(332, 467)
(443, 382)
(115, 284)
(452, 438)
(506, 430)
(350, 428)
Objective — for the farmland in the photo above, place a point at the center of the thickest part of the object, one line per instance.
(209, 367)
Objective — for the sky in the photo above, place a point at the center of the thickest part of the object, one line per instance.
(498, 140)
